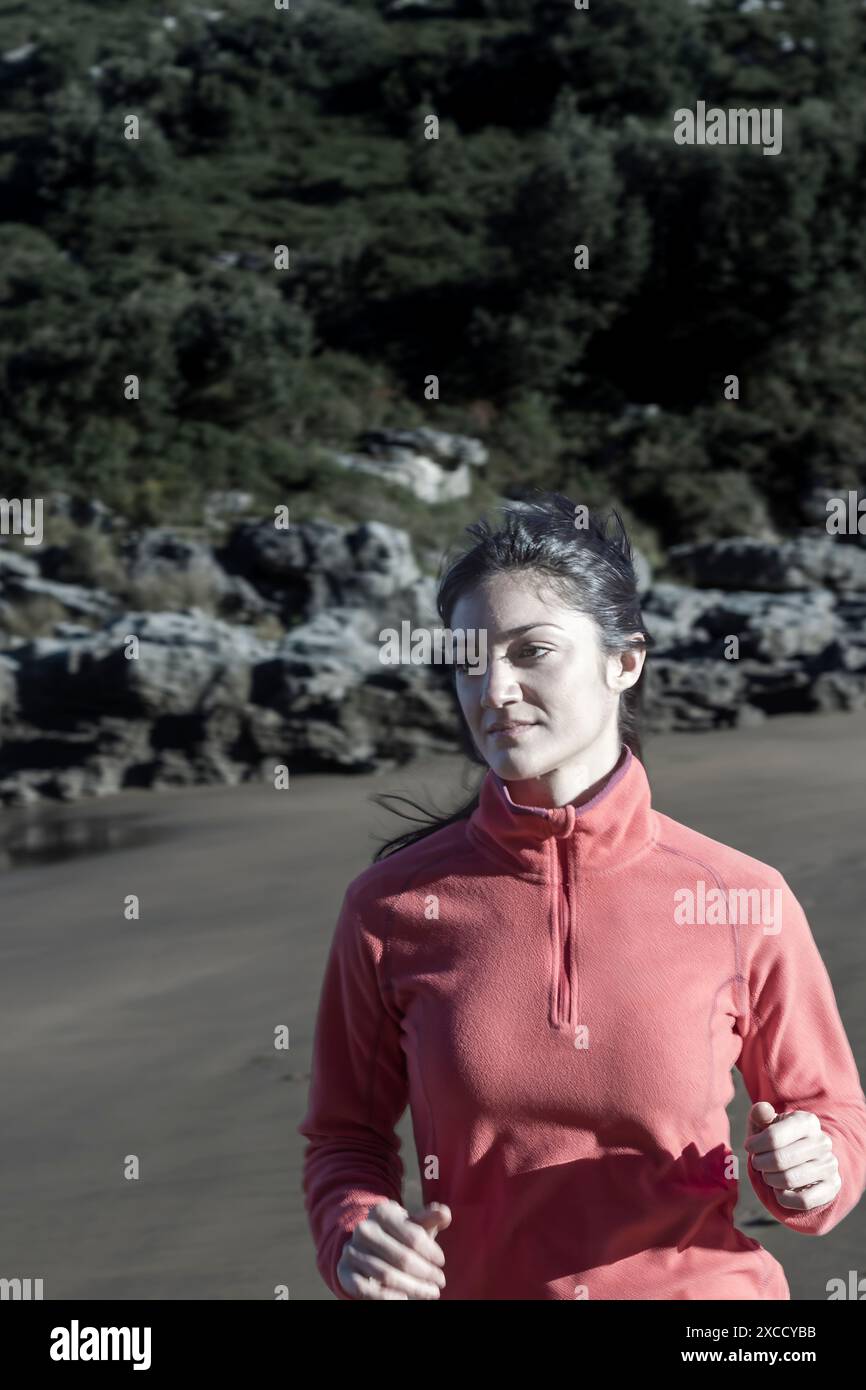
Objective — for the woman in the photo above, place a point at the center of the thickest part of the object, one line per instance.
(546, 977)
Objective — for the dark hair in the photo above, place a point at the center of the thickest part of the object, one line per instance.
(588, 569)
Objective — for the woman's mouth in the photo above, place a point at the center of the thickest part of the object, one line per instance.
(509, 731)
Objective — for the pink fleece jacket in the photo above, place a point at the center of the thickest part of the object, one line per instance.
(530, 983)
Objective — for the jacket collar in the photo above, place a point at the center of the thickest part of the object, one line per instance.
(606, 832)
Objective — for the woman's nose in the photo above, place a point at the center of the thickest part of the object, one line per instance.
(499, 684)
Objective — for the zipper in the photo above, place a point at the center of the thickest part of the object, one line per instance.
(561, 992)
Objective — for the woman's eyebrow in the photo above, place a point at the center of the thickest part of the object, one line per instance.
(527, 627)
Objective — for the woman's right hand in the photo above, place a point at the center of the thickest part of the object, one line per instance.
(393, 1255)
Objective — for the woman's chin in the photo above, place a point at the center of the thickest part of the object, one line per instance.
(514, 765)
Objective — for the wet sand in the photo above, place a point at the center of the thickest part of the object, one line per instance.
(154, 1037)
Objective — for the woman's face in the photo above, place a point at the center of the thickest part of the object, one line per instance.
(551, 680)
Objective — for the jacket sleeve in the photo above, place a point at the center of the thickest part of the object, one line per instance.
(358, 1092)
(796, 1055)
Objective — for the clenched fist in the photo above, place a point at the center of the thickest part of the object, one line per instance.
(394, 1255)
(794, 1156)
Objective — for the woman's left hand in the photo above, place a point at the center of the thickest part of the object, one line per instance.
(793, 1155)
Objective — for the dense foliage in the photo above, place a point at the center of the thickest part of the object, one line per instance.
(306, 127)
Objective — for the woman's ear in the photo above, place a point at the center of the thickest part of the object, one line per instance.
(624, 667)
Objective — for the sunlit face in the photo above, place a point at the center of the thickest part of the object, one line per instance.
(551, 680)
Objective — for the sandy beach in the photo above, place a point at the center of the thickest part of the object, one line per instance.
(154, 1037)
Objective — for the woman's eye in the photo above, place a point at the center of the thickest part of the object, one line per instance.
(533, 650)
